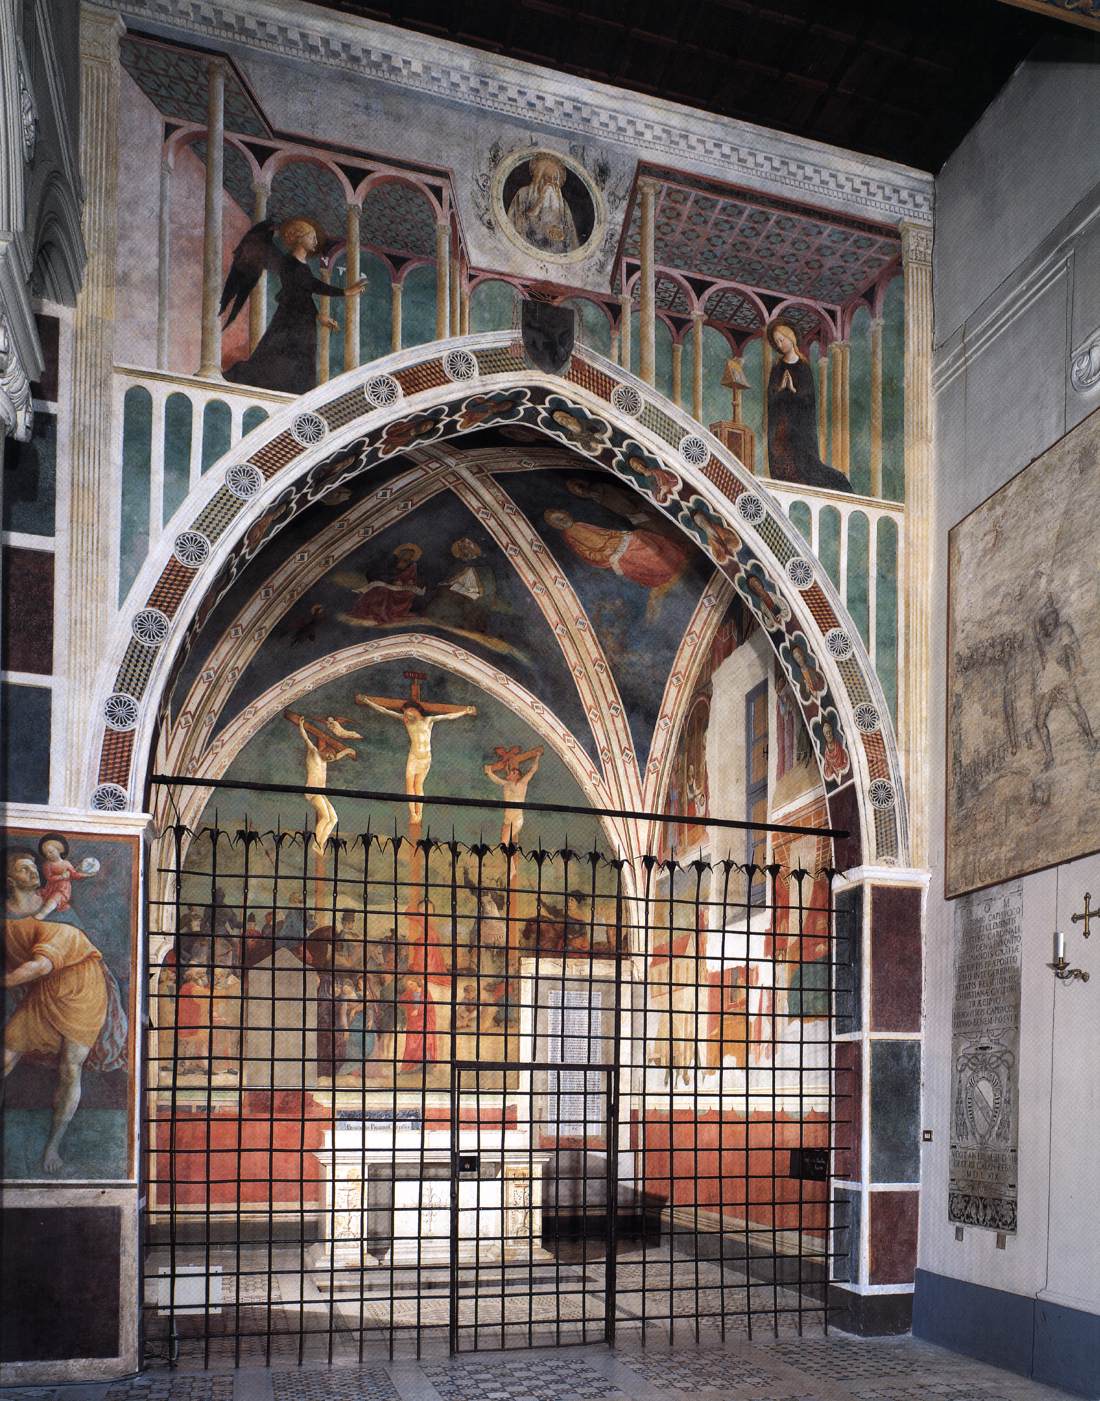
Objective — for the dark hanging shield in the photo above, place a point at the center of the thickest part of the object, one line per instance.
(548, 335)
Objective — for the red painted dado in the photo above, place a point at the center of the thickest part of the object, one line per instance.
(266, 1153)
(739, 1166)
(893, 1236)
(253, 1157)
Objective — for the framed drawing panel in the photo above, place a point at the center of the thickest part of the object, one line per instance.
(1023, 671)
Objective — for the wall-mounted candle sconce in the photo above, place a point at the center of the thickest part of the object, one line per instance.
(1062, 971)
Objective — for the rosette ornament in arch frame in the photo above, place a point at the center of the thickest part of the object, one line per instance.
(547, 205)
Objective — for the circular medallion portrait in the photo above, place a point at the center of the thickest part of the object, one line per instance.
(546, 205)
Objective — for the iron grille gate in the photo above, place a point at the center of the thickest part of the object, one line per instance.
(407, 1095)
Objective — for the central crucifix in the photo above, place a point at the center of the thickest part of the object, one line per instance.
(419, 717)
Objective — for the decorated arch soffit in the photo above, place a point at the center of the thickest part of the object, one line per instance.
(212, 699)
(211, 706)
(434, 392)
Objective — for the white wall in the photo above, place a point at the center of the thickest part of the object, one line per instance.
(1017, 289)
(743, 669)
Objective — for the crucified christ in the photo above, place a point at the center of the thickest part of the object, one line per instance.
(419, 718)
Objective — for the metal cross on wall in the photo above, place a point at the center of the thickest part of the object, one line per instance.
(1085, 915)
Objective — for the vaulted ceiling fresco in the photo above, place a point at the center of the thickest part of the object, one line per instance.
(488, 567)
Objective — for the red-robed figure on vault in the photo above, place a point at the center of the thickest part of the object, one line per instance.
(649, 558)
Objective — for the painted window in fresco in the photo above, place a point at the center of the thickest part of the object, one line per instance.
(802, 517)
(829, 527)
(858, 598)
(137, 450)
(30, 478)
(418, 306)
(886, 585)
(26, 742)
(752, 399)
(492, 306)
(593, 326)
(756, 780)
(27, 610)
(819, 357)
(893, 391)
(662, 353)
(178, 428)
(375, 308)
(217, 427)
(252, 418)
(859, 401)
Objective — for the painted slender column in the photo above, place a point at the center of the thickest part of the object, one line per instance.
(677, 372)
(823, 404)
(766, 361)
(396, 293)
(464, 325)
(697, 365)
(647, 317)
(351, 304)
(323, 332)
(625, 311)
(916, 570)
(456, 297)
(257, 301)
(91, 562)
(846, 407)
(164, 248)
(442, 281)
(210, 352)
(836, 375)
(876, 408)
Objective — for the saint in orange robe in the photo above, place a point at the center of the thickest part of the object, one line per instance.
(68, 1004)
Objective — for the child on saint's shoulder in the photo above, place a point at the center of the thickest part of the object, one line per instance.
(58, 873)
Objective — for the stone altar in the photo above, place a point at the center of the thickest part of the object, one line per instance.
(386, 1197)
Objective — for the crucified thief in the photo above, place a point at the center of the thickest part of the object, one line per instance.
(418, 726)
(515, 781)
(319, 755)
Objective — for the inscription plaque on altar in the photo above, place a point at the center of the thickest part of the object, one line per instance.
(985, 1042)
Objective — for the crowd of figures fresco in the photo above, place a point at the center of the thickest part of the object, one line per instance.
(373, 965)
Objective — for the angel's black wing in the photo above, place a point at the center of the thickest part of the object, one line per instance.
(255, 254)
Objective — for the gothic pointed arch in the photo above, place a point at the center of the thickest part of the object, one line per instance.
(446, 389)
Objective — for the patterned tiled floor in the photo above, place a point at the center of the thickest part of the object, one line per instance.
(334, 1384)
(537, 1377)
(167, 1386)
(812, 1368)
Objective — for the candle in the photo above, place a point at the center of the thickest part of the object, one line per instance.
(1059, 946)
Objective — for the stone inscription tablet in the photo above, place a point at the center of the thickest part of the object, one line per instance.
(985, 1042)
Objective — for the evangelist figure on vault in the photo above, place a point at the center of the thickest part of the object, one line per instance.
(69, 1008)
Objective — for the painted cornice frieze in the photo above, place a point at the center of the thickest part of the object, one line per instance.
(523, 92)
